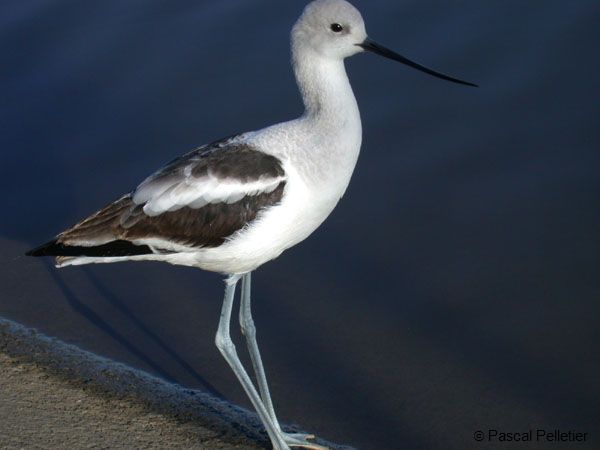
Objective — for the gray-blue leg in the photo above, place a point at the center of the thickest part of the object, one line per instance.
(227, 349)
(249, 331)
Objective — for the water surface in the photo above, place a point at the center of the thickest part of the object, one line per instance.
(455, 288)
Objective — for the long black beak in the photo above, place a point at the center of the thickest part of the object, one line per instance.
(374, 47)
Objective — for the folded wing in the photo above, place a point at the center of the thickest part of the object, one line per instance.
(195, 201)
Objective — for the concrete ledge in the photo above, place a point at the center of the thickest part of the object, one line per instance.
(55, 395)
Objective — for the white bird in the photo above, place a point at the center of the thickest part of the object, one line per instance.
(235, 204)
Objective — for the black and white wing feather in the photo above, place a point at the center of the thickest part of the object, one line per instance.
(224, 172)
(195, 201)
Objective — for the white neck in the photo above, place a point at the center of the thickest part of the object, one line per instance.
(325, 89)
(331, 131)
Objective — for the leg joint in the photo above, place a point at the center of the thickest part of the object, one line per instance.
(224, 343)
(248, 327)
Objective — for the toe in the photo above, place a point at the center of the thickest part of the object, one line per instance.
(302, 440)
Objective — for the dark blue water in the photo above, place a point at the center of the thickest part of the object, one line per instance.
(455, 288)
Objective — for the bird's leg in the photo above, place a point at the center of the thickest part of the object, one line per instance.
(227, 349)
(249, 331)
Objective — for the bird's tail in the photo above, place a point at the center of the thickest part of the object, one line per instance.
(93, 237)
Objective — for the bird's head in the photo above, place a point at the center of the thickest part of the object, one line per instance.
(334, 29)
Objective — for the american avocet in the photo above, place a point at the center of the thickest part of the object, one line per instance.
(235, 204)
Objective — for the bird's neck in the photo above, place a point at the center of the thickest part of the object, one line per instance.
(331, 130)
(325, 89)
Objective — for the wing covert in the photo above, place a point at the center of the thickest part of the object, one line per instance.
(218, 173)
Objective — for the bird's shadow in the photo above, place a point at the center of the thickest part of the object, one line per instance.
(95, 319)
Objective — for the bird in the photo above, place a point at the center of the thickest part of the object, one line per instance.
(234, 204)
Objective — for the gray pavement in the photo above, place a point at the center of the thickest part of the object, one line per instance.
(56, 396)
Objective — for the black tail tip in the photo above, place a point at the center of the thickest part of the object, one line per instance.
(110, 249)
(43, 250)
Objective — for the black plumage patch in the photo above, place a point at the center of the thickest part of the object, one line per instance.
(241, 162)
(113, 248)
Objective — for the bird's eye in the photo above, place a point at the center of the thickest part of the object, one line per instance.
(336, 28)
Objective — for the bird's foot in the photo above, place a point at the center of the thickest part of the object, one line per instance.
(301, 440)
